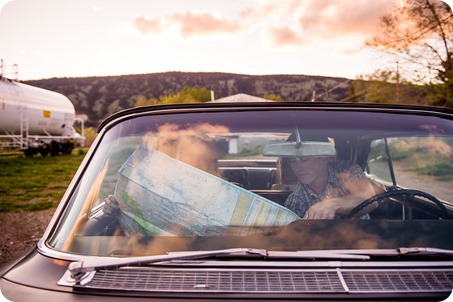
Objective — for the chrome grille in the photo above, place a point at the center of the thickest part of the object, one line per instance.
(272, 281)
(219, 281)
(398, 281)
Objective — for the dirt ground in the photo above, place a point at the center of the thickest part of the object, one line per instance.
(21, 231)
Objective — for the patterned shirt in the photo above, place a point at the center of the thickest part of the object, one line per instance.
(340, 174)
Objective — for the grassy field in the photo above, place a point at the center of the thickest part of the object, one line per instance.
(36, 183)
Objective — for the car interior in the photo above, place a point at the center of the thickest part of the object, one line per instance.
(273, 179)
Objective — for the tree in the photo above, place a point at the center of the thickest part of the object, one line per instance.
(143, 101)
(273, 97)
(386, 87)
(420, 33)
(90, 135)
(186, 95)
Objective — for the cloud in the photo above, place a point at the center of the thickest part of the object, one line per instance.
(262, 12)
(195, 23)
(145, 26)
(329, 21)
(285, 36)
(190, 24)
(204, 24)
(285, 23)
(329, 18)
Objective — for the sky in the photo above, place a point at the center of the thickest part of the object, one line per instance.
(79, 38)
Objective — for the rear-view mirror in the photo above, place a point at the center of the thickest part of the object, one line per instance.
(299, 149)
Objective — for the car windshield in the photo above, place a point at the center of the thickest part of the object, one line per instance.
(189, 180)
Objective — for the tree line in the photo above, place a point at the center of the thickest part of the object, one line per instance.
(98, 97)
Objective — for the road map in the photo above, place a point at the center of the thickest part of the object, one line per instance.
(160, 195)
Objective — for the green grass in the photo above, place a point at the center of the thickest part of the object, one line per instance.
(442, 170)
(423, 155)
(36, 183)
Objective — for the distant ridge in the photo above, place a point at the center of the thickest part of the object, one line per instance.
(98, 97)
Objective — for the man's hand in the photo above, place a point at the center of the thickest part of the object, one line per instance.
(329, 208)
(111, 206)
(325, 209)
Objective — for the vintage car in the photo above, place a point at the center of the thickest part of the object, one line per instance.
(193, 202)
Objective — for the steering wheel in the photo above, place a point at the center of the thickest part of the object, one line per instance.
(400, 192)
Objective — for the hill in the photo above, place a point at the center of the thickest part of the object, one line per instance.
(98, 97)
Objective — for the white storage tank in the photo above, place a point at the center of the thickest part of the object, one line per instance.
(36, 120)
(47, 112)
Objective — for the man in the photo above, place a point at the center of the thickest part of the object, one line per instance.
(328, 189)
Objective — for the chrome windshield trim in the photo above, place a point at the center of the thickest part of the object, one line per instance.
(312, 264)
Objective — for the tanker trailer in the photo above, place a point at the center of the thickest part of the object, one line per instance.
(36, 120)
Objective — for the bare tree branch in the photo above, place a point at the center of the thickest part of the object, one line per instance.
(420, 34)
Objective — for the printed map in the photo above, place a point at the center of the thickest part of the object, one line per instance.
(160, 195)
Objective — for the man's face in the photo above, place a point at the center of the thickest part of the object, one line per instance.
(309, 170)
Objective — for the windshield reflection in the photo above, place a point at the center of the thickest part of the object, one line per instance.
(299, 235)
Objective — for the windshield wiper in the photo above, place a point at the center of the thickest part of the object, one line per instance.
(80, 268)
(412, 251)
(402, 251)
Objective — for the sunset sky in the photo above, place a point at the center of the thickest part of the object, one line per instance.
(73, 38)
